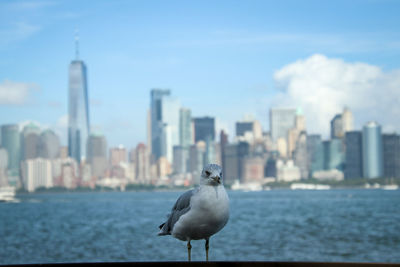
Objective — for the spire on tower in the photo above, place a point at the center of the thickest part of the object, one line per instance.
(77, 44)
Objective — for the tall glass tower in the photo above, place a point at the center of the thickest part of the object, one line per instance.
(372, 150)
(78, 109)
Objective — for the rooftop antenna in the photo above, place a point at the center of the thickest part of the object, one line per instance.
(77, 44)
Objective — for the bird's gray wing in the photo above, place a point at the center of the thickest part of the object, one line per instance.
(181, 206)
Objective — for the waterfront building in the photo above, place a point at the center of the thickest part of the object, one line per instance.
(281, 120)
(49, 145)
(270, 167)
(36, 173)
(287, 171)
(64, 152)
(333, 155)
(293, 134)
(243, 127)
(142, 163)
(337, 126)
(117, 155)
(196, 157)
(372, 150)
(163, 168)
(391, 155)
(253, 169)
(281, 146)
(342, 123)
(234, 161)
(204, 129)
(353, 166)
(315, 153)
(347, 120)
(185, 128)
(66, 173)
(223, 140)
(97, 154)
(209, 156)
(78, 109)
(11, 142)
(30, 141)
(248, 131)
(300, 155)
(170, 111)
(3, 167)
(181, 156)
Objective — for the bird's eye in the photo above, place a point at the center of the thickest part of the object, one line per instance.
(208, 173)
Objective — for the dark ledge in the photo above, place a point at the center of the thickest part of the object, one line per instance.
(217, 263)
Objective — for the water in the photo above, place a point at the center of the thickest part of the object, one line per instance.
(279, 225)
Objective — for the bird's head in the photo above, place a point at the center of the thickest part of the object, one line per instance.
(211, 174)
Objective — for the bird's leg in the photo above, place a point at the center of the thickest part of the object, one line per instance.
(189, 248)
(207, 246)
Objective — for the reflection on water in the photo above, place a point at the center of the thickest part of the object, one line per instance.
(278, 225)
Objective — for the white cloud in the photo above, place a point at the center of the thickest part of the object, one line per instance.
(322, 86)
(15, 93)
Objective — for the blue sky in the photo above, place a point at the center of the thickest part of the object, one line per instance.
(220, 58)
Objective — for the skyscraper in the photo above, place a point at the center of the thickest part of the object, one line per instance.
(347, 120)
(315, 153)
(342, 123)
(333, 155)
(353, 166)
(204, 129)
(30, 141)
(300, 154)
(280, 121)
(10, 140)
(337, 126)
(185, 128)
(372, 150)
(49, 145)
(97, 154)
(391, 155)
(78, 110)
(170, 119)
(117, 155)
(157, 99)
(243, 126)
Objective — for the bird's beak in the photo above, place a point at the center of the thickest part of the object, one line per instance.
(217, 179)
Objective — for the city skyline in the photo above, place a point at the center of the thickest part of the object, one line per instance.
(224, 63)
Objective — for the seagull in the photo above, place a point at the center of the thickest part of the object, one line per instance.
(201, 212)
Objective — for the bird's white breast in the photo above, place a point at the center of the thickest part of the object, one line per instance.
(208, 214)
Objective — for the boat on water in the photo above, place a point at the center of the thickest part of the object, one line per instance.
(247, 187)
(390, 187)
(303, 186)
(7, 194)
